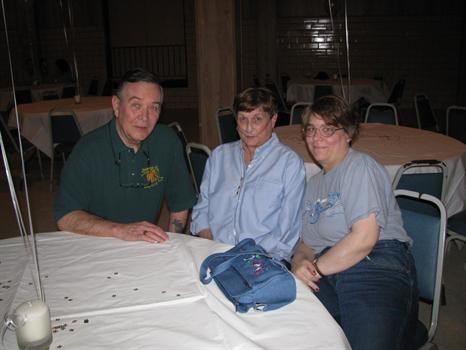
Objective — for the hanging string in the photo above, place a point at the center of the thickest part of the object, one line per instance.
(73, 49)
(340, 75)
(31, 251)
(347, 52)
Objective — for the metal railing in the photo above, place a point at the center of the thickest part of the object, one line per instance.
(169, 62)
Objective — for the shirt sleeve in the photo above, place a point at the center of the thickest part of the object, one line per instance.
(74, 191)
(287, 232)
(180, 189)
(364, 192)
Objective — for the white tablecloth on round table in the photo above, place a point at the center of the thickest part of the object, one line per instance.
(92, 112)
(394, 146)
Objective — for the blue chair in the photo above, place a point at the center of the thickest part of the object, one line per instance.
(322, 90)
(182, 137)
(456, 122)
(428, 235)
(226, 125)
(65, 132)
(197, 157)
(397, 92)
(426, 118)
(456, 227)
(297, 111)
(423, 176)
(382, 113)
(68, 91)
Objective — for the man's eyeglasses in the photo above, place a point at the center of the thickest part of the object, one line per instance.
(324, 130)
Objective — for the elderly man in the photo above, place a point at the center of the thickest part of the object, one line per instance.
(116, 177)
(252, 188)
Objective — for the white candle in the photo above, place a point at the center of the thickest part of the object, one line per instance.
(33, 327)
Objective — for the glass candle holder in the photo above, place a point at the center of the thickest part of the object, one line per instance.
(32, 325)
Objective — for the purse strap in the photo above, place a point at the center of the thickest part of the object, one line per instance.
(224, 265)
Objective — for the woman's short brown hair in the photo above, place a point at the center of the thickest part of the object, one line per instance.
(334, 111)
(253, 98)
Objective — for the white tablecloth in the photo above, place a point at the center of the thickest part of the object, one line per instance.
(91, 113)
(394, 146)
(104, 293)
(37, 93)
(371, 90)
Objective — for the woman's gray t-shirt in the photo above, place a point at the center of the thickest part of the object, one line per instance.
(351, 191)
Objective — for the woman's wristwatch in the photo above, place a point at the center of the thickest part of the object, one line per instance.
(314, 262)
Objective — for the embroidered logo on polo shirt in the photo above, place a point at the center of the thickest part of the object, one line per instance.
(152, 175)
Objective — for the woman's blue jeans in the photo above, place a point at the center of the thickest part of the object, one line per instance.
(376, 300)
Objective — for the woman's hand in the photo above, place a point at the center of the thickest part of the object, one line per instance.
(304, 270)
(206, 233)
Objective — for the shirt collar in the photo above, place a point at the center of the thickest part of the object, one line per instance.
(263, 149)
(118, 145)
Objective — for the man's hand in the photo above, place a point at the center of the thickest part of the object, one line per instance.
(141, 231)
(88, 224)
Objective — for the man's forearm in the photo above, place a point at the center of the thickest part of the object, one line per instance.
(178, 221)
(79, 221)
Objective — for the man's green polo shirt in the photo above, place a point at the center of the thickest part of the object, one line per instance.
(104, 177)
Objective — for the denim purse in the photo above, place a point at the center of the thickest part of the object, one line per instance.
(250, 278)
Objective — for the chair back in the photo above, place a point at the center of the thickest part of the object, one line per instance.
(456, 122)
(397, 92)
(50, 95)
(64, 126)
(273, 87)
(23, 96)
(226, 125)
(11, 143)
(93, 88)
(107, 90)
(428, 235)
(425, 115)
(68, 92)
(297, 112)
(182, 137)
(385, 113)
(322, 90)
(427, 176)
(197, 157)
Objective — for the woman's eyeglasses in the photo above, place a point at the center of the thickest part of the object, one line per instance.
(324, 130)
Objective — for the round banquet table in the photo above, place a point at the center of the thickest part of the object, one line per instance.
(393, 146)
(92, 112)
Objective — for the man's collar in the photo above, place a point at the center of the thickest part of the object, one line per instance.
(118, 144)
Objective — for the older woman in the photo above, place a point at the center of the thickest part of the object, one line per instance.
(354, 252)
(252, 188)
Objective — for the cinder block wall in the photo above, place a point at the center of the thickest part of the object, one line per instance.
(423, 50)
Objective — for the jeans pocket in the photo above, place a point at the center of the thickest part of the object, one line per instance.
(389, 255)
